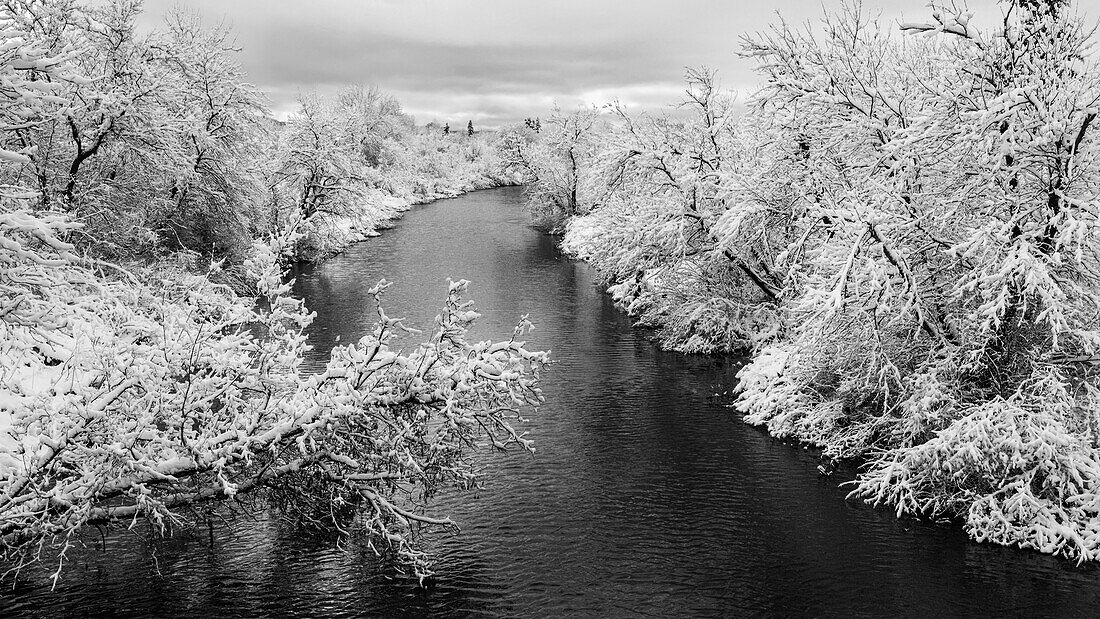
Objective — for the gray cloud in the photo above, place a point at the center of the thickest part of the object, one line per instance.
(497, 61)
(448, 67)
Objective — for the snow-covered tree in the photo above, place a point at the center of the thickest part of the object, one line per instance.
(81, 117)
(552, 162)
(143, 394)
(152, 134)
(216, 121)
(348, 164)
(679, 227)
(902, 229)
(320, 166)
(124, 401)
(946, 324)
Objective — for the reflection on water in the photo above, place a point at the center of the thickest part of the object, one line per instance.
(646, 496)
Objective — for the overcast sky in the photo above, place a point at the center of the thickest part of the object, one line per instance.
(498, 61)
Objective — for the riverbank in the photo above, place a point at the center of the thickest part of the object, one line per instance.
(1012, 471)
(379, 210)
(894, 319)
(642, 482)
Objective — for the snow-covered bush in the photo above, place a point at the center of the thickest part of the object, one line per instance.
(1022, 470)
(682, 225)
(348, 165)
(554, 164)
(943, 323)
(903, 230)
(148, 393)
(123, 400)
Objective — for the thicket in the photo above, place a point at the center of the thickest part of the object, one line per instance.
(344, 167)
(138, 176)
(161, 145)
(901, 230)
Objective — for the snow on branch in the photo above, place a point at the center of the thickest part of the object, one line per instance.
(124, 401)
(948, 21)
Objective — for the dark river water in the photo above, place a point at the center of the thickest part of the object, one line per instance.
(646, 497)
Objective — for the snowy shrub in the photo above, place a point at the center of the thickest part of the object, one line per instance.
(1021, 471)
(348, 165)
(123, 400)
(944, 315)
(672, 232)
(903, 231)
(554, 165)
(150, 392)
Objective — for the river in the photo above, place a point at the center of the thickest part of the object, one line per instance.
(647, 496)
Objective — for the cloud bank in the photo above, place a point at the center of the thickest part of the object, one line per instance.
(498, 61)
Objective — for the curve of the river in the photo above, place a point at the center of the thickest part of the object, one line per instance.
(646, 497)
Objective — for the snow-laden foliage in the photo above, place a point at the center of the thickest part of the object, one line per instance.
(147, 393)
(902, 229)
(552, 160)
(346, 166)
(946, 326)
(123, 400)
(679, 229)
(147, 140)
(157, 143)
(1022, 470)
